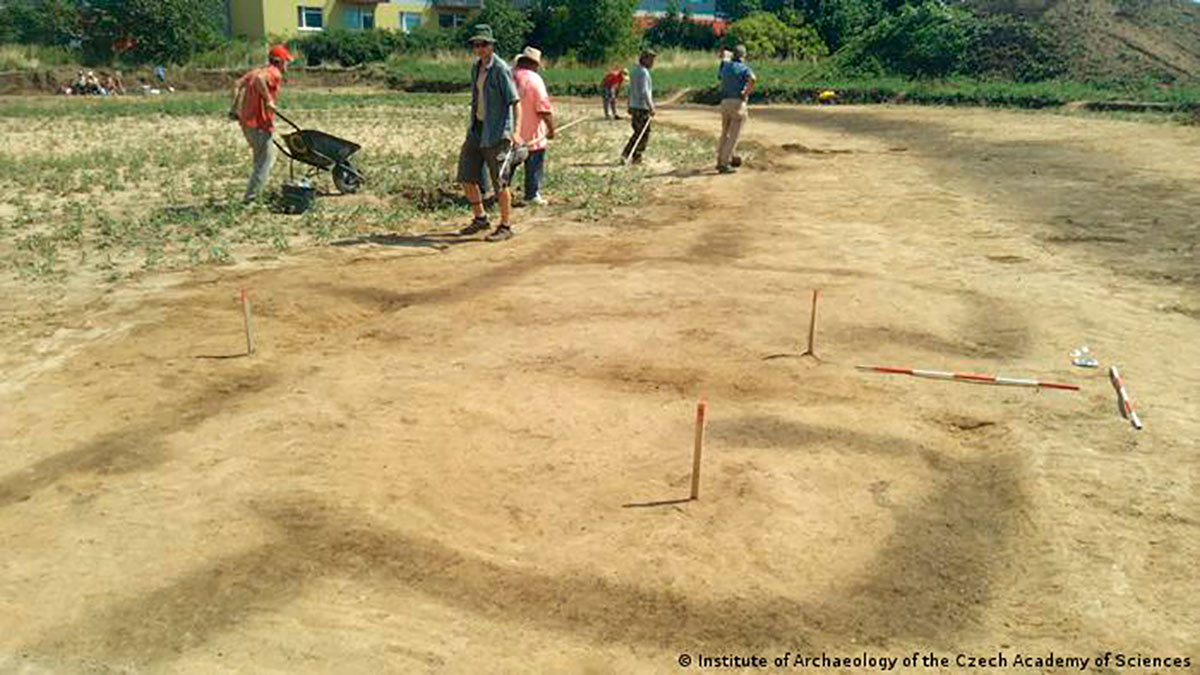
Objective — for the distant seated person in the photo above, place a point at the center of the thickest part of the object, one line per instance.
(80, 84)
(102, 84)
(113, 85)
(92, 84)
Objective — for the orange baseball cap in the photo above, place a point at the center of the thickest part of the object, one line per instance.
(280, 52)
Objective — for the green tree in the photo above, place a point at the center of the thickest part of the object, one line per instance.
(765, 34)
(550, 19)
(510, 26)
(44, 22)
(600, 30)
(839, 21)
(161, 31)
(738, 9)
(929, 39)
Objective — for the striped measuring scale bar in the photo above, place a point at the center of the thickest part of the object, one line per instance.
(969, 377)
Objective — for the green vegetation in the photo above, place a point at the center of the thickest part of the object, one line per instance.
(114, 188)
(1099, 42)
(150, 31)
(125, 31)
(766, 35)
(800, 82)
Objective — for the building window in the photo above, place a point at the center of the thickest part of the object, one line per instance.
(451, 20)
(310, 18)
(358, 18)
(409, 21)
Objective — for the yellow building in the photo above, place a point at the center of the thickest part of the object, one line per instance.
(257, 19)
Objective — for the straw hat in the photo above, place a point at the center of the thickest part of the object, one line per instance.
(531, 53)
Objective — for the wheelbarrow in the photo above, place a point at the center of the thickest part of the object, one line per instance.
(321, 152)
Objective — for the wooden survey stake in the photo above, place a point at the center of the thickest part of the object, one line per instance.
(249, 323)
(812, 327)
(701, 409)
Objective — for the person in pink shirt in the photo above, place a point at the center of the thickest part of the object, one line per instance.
(537, 120)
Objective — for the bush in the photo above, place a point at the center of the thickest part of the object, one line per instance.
(348, 47)
(1013, 48)
(766, 35)
(429, 38)
(237, 53)
(925, 40)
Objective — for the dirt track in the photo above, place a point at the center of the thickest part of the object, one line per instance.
(426, 464)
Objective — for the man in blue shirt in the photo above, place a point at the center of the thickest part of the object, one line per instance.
(737, 83)
(495, 127)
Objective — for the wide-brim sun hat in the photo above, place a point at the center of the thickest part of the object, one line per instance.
(532, 54)
(482, 33)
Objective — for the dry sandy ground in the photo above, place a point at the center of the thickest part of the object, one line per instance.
(426, 465)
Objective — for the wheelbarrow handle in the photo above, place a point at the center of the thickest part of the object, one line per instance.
(285, 119)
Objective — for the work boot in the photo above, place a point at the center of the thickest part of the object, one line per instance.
(501, 233)
(478, 224)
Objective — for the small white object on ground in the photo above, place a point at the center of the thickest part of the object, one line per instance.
(1083, 358)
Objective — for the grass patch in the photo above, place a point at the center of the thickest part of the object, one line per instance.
(801, 81)
(113, 188)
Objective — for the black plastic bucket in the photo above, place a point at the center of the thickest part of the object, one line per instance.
(298, 197)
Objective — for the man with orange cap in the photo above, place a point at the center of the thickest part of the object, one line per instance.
(254, 108)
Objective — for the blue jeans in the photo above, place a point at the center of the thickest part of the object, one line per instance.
(535, 168)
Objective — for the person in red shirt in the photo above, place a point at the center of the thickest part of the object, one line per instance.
(254, 109)
(611, 84)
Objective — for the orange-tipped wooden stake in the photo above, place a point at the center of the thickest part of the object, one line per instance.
(249, 325)
(701, 409)
(812, 327)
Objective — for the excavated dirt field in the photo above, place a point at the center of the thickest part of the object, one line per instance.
(428, 465)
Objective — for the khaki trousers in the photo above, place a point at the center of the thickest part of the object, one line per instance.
(734, 112)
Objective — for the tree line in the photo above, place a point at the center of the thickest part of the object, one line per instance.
(916, 38)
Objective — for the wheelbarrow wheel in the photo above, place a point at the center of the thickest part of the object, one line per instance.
(345, 177)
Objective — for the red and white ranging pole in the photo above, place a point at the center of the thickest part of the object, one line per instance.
(1124, 402)
(970, 377)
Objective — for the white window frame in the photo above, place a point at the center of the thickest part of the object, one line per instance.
(362, 13)
(404, 20)
(302, 16)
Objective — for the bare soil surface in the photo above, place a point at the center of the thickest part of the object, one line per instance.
(430, 462)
